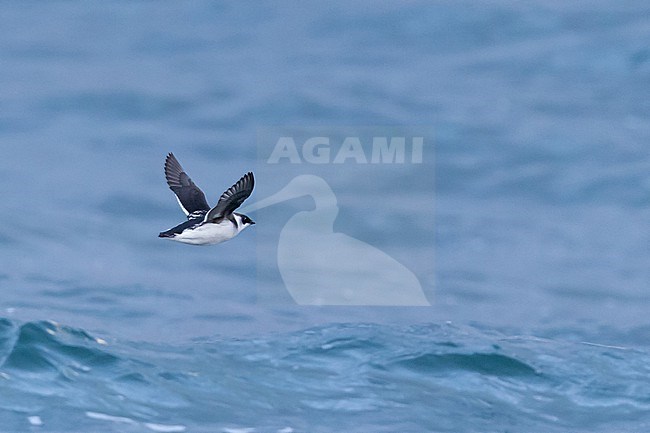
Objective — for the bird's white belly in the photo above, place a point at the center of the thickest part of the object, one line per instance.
(208, 234)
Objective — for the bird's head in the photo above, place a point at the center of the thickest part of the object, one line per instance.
(244, 221)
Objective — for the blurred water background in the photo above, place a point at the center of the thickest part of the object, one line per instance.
(539, 316)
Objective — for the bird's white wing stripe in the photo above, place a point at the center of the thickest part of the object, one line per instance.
(181, 205)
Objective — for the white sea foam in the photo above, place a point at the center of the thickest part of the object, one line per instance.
(111, 418)
(35, 420)
(165, 428)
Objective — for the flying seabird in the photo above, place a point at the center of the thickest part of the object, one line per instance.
(205, 226)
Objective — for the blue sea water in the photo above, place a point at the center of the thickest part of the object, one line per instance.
(539, 291)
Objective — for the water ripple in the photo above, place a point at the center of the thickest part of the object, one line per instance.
(333, 373)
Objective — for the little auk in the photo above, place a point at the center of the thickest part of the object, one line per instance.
(206, 226)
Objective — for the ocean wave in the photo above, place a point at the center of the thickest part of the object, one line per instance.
(318, 379)
(492, 364)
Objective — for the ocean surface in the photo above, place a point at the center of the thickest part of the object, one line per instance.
(528, 222)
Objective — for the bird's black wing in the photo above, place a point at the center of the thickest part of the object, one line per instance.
(232, 198)
(190, 223)
(190, 197)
